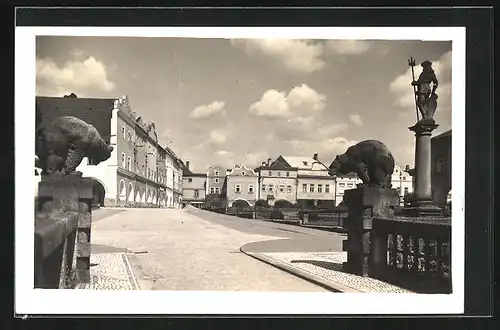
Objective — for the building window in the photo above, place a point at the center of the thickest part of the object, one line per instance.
(129, 163)
(350, 185)
(190, 180)
(304, 187)
(212, 190)
(237, 188)
(123, 161)
(142, 170)
(287, 173)
(270, 174)
(320, 188)
(216, 180)
(398, 190)
(123, 132)
(264, 187)
(289, 189)
(342, 185)
(216, 173)
(271, 188)
(196, 193)
(404, 178)
(250, 188)
(129, 136)
(217, 190)
(242, 173)
(279, 173)
(406, 190)
(311, 187)
(327, 188)
(439, 166)
(282, 187)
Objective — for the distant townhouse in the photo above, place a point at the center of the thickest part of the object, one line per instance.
(242, 187)
(277, 183)
(216, 187)
(315, 187)
(402, 181)
(216, 178)
(193, 187)
(344, 182)
(134, 175)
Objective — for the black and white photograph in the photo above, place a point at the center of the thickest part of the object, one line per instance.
(241, 170)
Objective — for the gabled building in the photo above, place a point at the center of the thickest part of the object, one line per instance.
(277, 183)
(242, 186)
(193, 187)
(315, 187)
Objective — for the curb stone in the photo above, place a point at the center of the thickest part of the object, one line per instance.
(142, 281)
(318, 280)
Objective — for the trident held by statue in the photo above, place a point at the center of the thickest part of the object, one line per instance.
(412, 63)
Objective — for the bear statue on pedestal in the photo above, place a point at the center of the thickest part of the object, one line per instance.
(65, 142)
(371, 160)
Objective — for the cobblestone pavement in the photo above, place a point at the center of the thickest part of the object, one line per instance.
(110, 271)
(328, 265)
(177, 250)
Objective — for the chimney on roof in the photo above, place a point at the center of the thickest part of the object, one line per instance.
(315, 156)
(268, 161)
(407, 168)
(263, 163)
(187, 164)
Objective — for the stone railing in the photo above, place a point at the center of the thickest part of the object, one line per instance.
(62, 231)
(411, 252)
(54, 250)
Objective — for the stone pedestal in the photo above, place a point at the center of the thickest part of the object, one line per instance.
(364, 204)
(59, 194)
(421, 202)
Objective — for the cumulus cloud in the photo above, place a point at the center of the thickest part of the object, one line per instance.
(208, 110)
(403, 92)
(298, 56)
(276, 104)
(348, 47)
(217, 137)
(356, 119)
(86, 77)
(272, 104)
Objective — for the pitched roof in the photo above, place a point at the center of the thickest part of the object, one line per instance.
(302, 163)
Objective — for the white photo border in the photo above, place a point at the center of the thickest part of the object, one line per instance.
(40, 301)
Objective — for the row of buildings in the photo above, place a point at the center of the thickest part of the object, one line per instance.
(283, 182)
(140, 172)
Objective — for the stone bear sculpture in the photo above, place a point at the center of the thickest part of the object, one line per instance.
(66, 141)
(371, 160)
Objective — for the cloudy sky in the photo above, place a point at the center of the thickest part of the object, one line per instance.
(221, 102)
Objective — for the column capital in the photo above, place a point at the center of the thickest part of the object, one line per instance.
(424, 127)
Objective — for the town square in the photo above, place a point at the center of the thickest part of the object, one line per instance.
(243, 164)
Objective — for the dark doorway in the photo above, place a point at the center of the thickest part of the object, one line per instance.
(98, 195)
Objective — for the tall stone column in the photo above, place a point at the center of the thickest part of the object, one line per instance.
(422, 203)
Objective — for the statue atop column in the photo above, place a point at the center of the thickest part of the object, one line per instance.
(426, 97)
